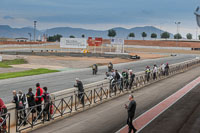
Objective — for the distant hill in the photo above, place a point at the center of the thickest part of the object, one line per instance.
(9, 32)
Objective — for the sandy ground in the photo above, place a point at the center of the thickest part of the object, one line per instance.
(66, 63)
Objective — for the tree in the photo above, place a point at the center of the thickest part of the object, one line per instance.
(112, 33)
(71, 36)
(189, 36)
(154, 35)
(131, 35)
(54, 38)
(177, 36)
(165, 35)
(83, 36)
(199, 37)
(144, 34)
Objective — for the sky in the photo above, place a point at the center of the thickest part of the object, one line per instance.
(101, 14)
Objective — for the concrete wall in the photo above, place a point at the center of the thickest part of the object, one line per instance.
(49, 53)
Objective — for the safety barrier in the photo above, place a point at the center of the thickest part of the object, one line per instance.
(70, 101)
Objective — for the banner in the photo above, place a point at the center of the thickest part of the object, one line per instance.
(73, 43)
(95, 42)
(117, 41)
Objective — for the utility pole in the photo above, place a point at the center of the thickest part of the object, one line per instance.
(29, 36)
(35, 30)
(177, 28)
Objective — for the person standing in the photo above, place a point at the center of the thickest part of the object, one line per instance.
(155, 70)
(131, 112)
(132, 77)
(39, 99)
(31, 102)
(163, 69)
(147, 73)
(79, 85)
(47, 103)
(3, 111)
(167, 69)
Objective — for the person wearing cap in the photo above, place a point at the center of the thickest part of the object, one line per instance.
(79, 85)
(131, 112)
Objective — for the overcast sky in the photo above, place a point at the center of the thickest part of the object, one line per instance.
(101, 14)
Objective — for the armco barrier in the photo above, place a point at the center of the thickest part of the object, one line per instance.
(67, 101)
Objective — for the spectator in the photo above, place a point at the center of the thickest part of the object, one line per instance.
(155, 70)
(47, 103)
(163, 69)
(147, 72)
(31, 103)
(117, 78)
(3, 111)
(15, 99)
(167, 69)
(39, 99)
(131, 112)
(21, 104)
(125, 82)
(79, 85)
(132, 77)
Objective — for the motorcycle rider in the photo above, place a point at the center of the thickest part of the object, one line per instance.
(110, 66)
(94, 69)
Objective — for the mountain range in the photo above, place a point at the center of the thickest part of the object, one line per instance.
(9, 32)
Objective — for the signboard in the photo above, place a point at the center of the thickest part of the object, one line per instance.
(73, 43)
(95, 42)
(117, 41)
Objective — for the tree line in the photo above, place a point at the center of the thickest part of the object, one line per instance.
(164, 35)
(112, 33)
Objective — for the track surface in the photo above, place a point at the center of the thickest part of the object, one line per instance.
(111, 116)
(65, 80)
(182, 117)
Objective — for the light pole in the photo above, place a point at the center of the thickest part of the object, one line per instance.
(177, 28)
(34, 30)
(29, 36)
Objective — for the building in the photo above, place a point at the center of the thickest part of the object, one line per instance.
(21, 39)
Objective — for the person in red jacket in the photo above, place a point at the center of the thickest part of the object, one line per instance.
(3, 110)
(39, 99)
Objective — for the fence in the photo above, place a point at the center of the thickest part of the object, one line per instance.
(5, 123)
(67, 103)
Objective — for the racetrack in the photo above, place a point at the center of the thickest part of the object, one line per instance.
(66, 79)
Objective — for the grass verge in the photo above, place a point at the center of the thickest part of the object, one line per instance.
(7, 63)
(26, 73)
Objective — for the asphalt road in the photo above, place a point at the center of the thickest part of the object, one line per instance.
(64, 80)
(111, 116)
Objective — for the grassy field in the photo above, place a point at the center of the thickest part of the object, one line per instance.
(26, 73)
(7, 63)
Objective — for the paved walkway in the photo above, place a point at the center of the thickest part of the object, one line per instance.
(111, 116)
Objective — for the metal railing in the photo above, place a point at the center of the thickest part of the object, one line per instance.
(76, 100)
(5, 123)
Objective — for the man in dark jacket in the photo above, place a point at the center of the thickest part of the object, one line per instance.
(79, 85)
(31, 102)
(131, 112)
